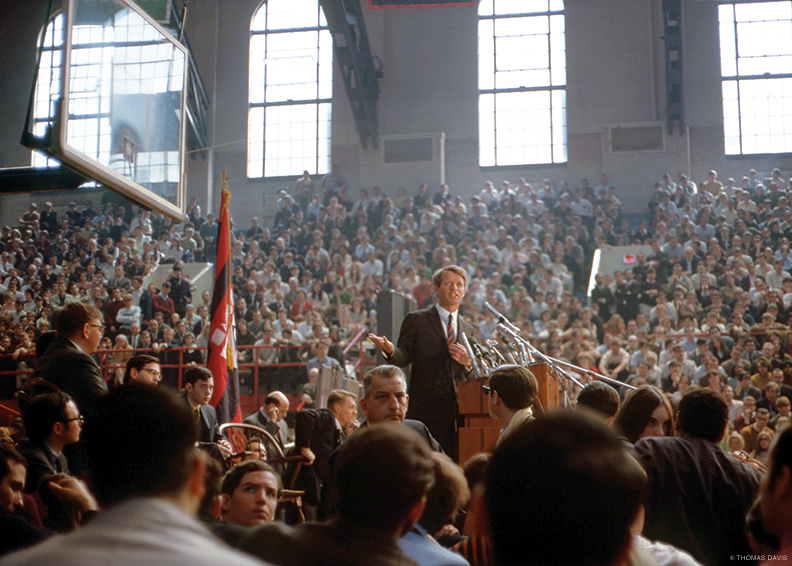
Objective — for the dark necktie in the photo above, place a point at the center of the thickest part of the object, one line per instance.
(451, 335)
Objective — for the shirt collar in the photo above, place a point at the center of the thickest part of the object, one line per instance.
(444, 314)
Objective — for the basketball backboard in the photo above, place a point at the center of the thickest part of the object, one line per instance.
(120, 119)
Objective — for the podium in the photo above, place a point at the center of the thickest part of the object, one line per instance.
(478, 432)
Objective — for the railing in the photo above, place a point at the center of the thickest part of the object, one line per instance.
(252, 370)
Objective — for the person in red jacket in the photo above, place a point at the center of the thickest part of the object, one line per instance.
(162, 303)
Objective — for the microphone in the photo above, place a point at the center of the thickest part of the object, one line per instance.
(492, 345)
(501, 319)
(478, 370)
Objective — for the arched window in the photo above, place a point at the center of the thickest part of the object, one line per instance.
(522, 82)
(756, 70)
(291, 88)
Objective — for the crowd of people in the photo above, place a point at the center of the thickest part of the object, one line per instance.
(695, 331)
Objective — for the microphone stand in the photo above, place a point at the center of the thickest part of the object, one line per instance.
(599, 376)
(508, 329)
(514, 333)
(548, 360)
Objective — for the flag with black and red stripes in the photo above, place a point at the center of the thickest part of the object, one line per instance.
(221, 359)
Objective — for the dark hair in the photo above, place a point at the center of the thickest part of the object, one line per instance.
(703, 413)
(516, 385)
(636, 412)
(196, 373)
(137, 362)
(140, 441)
(382, 471)
(234, 476)
(74, 317)
(212, 478)
(564, 468)
(448, 494)
(600, 397)
(754, 526)
(271, 400)
(780, 454)
(476, 469)
(44, 411)
(9, 454)
(383, 371)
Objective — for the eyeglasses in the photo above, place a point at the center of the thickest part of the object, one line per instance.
(100, 326)
(78, 418)
(487, 389)
(153, 372)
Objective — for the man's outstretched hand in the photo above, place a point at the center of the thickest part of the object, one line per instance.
(383, 344)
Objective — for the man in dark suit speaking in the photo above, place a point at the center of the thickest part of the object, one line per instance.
(429, 341)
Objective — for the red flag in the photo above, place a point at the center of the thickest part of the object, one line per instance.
(222, 360)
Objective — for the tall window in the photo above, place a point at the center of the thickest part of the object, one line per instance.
(522, 82)
(291, 87)
(48, 87)
(756, 67)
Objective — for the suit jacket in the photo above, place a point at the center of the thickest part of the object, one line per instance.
(327, 544)
(434, 375)
(418, 427)
(262, 420)
(208, 429)
(315, 429)
(146, 305)
(74, 371)
(180, 293)
(122, 282)
(40, 463)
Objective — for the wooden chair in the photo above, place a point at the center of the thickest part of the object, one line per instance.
(32, 388)
(240, 435)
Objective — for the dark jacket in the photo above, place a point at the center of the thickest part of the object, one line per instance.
(434, 375)
(74, 371)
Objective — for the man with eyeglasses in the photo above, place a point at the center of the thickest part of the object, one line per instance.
(510, 395)
(143, 369)
(67, 362)
(52, 421)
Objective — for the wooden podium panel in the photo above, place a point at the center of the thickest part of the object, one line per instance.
(478, 432)
(547, 397)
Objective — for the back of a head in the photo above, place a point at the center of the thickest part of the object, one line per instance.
(546, 483)
(43, 342)
(382, 471)
(600, 397)
(74, 317)
(43, 412)
(140, 441)
(780, 454)
(704, 414)
(516, 385)
(448, 495)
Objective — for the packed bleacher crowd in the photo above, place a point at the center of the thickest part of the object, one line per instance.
(698, 326)
(719, 272)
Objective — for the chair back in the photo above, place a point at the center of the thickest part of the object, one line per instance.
(32, 388)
